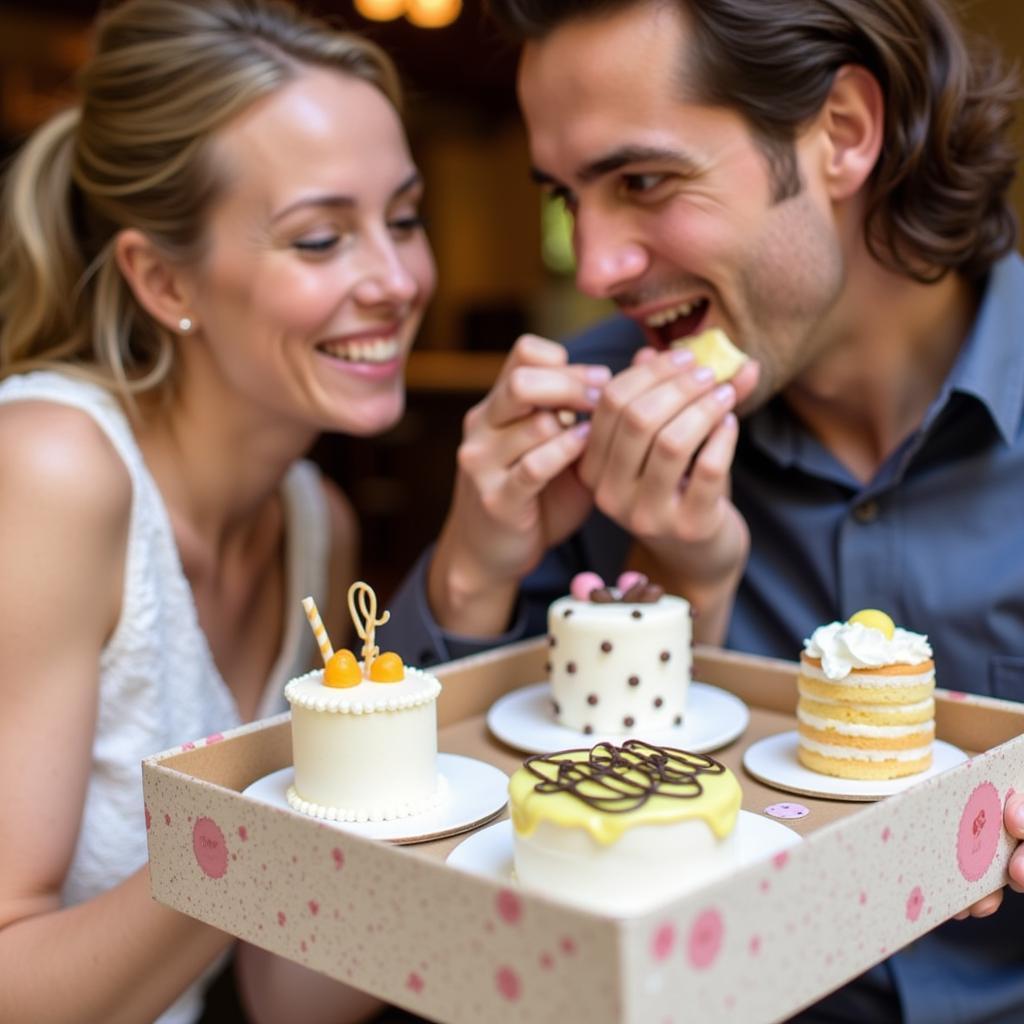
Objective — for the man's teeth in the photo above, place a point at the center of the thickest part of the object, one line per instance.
(377, 350)
(666, 316)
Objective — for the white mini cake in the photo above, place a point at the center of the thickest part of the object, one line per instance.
(620, 829)
(620, 659)
(364, 742)
(365, 753)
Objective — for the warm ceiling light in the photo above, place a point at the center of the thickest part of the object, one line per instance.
(380, 10)
(432, 13)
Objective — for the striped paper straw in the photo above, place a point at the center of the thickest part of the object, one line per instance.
(316, 624)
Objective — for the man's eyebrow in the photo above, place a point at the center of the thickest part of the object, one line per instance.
(620, 158)
(342, 201)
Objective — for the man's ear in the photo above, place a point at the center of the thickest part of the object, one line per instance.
(853, 121)
(158, 285)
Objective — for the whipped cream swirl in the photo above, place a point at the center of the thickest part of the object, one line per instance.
(844, 646)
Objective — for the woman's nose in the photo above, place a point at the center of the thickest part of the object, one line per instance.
(385, 275)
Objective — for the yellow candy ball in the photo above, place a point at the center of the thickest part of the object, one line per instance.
(387, 668)
(342, 670)
(874, 619)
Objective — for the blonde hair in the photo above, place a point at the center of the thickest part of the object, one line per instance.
(135, 152)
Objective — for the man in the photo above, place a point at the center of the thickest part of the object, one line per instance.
(826, 181)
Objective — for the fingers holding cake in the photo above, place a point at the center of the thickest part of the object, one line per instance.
(537, 380)
(516, 491)
(658, 415)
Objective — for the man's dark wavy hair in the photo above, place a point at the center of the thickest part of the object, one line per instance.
(937, 199)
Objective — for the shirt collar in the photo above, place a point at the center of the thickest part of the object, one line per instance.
(989, 367)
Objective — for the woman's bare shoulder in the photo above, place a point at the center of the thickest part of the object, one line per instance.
(50, 451)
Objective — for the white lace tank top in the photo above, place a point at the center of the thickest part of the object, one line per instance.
(158, 684)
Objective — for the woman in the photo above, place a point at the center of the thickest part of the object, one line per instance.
(212, 259)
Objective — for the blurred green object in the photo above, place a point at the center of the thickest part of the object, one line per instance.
(556, 236)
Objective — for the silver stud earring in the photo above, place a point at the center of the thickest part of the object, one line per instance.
(185, 325)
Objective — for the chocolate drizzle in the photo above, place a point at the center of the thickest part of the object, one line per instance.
(620, 779)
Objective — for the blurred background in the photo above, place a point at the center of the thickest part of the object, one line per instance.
(503, 260)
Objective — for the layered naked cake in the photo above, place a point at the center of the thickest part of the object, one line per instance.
(620, 657)
(866, 707)
(620, 828)
(364, 732)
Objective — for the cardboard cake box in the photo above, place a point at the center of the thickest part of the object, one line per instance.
(456, 947)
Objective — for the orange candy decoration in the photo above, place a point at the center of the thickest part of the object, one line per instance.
(342, 670)
(387, 668)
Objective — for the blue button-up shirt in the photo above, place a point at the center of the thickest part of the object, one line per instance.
(936, 539)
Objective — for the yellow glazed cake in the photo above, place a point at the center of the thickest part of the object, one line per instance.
(865, 708)
(619, 658)
(364, 733)
(621, 828)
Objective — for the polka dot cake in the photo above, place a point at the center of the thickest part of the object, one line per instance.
(619, 658)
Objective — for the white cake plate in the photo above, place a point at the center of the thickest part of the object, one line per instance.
(773, 760)
(477, 791)
(525, 719)
(489, 851)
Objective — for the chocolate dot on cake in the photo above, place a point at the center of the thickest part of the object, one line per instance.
(547, 667)
(634, 680)
(658, 702)
(678, 720)
(636, 613)
(628, 721)
(567, 613)
(588, 729)
(557, 707)
(592, 699)
(665, 656)
(571, 667)
(606, 646)
(552, 640)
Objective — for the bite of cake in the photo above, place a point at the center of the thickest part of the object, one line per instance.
(619, 658)
(714, 349)
(866, 708)
(620, 828)
(364, 733)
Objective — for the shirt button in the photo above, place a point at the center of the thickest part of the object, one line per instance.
(866, 512)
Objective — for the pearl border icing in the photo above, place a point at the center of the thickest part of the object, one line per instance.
(406, 809)
(339, 702)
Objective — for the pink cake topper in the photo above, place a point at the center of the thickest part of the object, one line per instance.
(630, 588)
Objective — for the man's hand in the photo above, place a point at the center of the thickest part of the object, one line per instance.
(1013, 822)
(658, 461)
(516, 490)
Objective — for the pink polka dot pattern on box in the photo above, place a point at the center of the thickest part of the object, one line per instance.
(209, 847)
(509, 906)
(915, 901)
(706, 939)
(978, 835)
(663, 942)
(508, 984)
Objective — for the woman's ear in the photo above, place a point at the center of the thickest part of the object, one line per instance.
(158, 285)
(853, 121)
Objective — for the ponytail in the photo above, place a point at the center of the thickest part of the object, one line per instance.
(41, 264)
